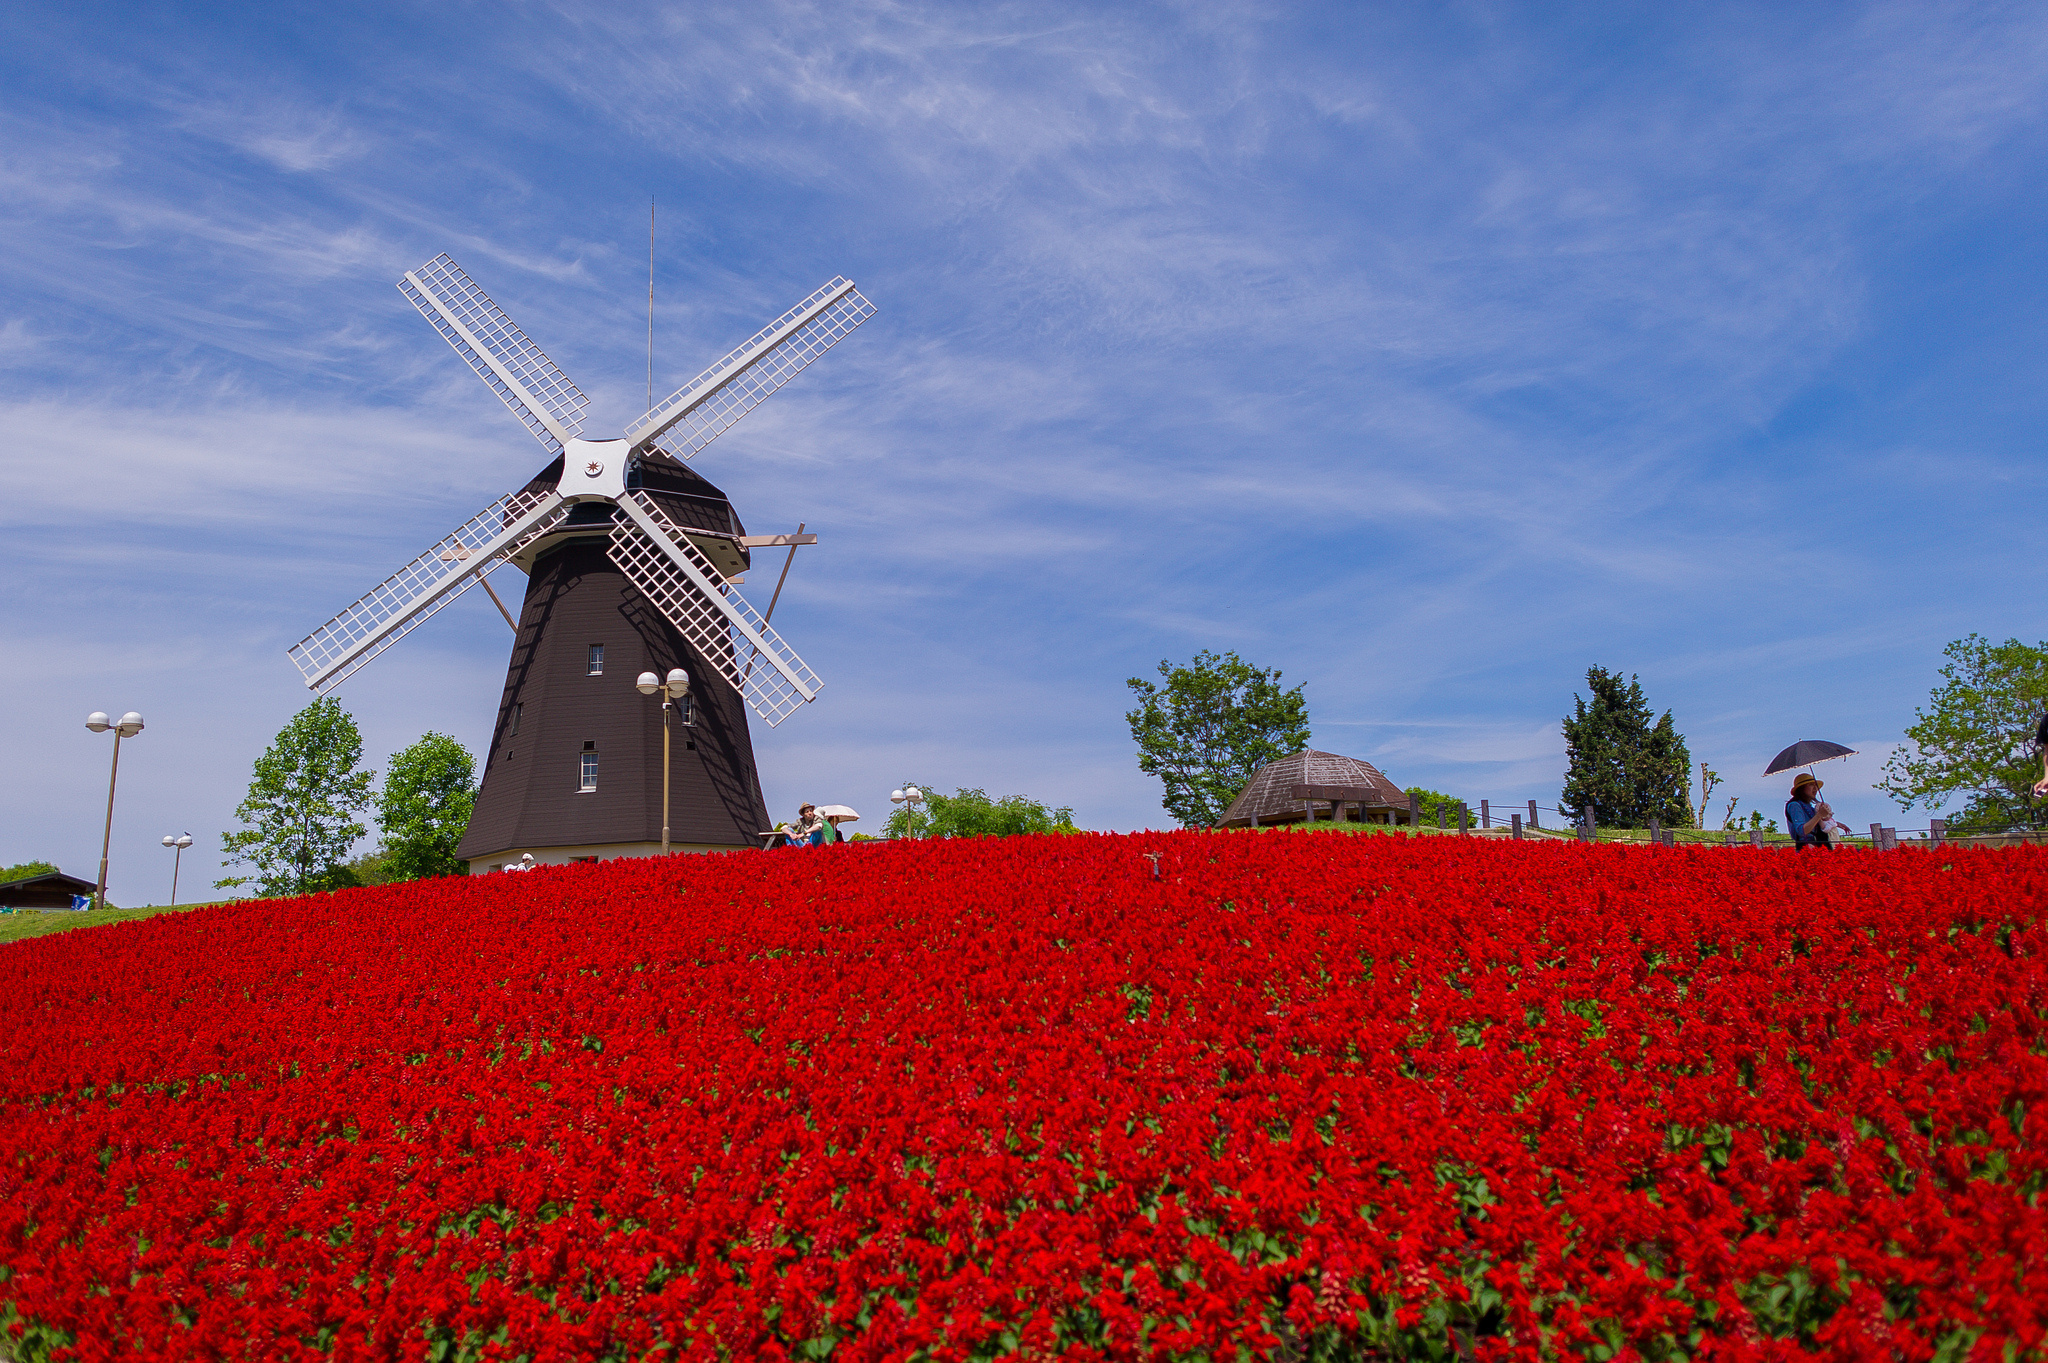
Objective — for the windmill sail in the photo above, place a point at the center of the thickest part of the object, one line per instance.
(333, 652)
(658, 558)
(528, 382)
(704, 408)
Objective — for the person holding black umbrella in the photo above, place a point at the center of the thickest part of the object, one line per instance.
(2041, 737)
(1807, 815)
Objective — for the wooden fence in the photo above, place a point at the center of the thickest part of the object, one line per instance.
(1565, 823)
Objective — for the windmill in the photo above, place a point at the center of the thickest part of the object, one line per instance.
(631, 560)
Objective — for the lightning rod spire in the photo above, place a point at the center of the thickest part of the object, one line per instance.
(650, 302)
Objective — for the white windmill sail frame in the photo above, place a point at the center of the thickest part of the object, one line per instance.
(390, 610)
(544, 399)
(708, 405)
(658, 558)
(654, 553)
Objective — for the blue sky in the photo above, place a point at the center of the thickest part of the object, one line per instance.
(1429, 353)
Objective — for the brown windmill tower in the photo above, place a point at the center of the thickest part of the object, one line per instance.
(632, 562)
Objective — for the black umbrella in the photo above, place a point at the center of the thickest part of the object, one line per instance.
(1805, 753)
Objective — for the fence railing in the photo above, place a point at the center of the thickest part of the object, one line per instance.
(1521, 820)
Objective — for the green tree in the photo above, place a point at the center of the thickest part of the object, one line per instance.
(425, 805)
(1213, 724)
(1627, 767)
(365, 868)
(1977, 738)
(1433, 800)
(23, 870)
(299, 815)
(971, 813)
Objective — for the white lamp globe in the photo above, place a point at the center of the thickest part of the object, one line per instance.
(648, 684)
(170, 841)
(678, 681)
(895, 797)
(184, 840)
(130, 725)
(912, 793)
(98, 722)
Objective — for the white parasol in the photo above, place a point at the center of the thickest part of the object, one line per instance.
(846, 812)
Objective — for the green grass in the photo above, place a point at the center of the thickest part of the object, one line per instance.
(25, 923)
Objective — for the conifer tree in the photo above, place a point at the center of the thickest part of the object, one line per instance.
(1628, 767)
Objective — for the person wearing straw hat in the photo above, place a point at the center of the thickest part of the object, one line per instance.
(1807, 815)
(809, 829)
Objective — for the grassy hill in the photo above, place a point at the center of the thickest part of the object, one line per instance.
(25, 923)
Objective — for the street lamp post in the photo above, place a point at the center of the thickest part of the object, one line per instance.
(181, 842)
(127, 726)
(909, 797)
(675, 688)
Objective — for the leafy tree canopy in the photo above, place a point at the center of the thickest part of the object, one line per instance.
(1432, 801)
(1976, 738)
(971, 813)
(365, 868)
(1213, 724)
(1629, 768)
(299, 815)
(23, 870)
(426, 802)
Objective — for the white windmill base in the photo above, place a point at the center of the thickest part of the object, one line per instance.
(514, 858)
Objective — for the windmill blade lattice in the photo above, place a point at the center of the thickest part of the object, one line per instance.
(707, 406)
(712, 615)
(501, 354)
(391, 610)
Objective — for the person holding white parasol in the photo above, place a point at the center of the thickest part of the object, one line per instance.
(835, 815)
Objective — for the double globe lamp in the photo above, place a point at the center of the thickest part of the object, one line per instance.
(127, 726)
(180, 842)
(908, 796)
(674, 689)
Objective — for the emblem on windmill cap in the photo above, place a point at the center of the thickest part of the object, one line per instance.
(593, 468)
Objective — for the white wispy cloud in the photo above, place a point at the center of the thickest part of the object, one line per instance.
(281, 131)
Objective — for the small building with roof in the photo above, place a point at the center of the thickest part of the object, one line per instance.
(1313, 785)
(51, 890)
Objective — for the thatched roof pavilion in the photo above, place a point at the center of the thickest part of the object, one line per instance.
(1297, 789)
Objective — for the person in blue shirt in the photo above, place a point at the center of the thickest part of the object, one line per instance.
(2041, 737)
(1806, 814)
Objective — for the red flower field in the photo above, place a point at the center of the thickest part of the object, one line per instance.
(1289, 1096)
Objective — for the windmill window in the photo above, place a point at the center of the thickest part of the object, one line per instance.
(589, 771)
(685, 712)
(517, 710)
(596, 667)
